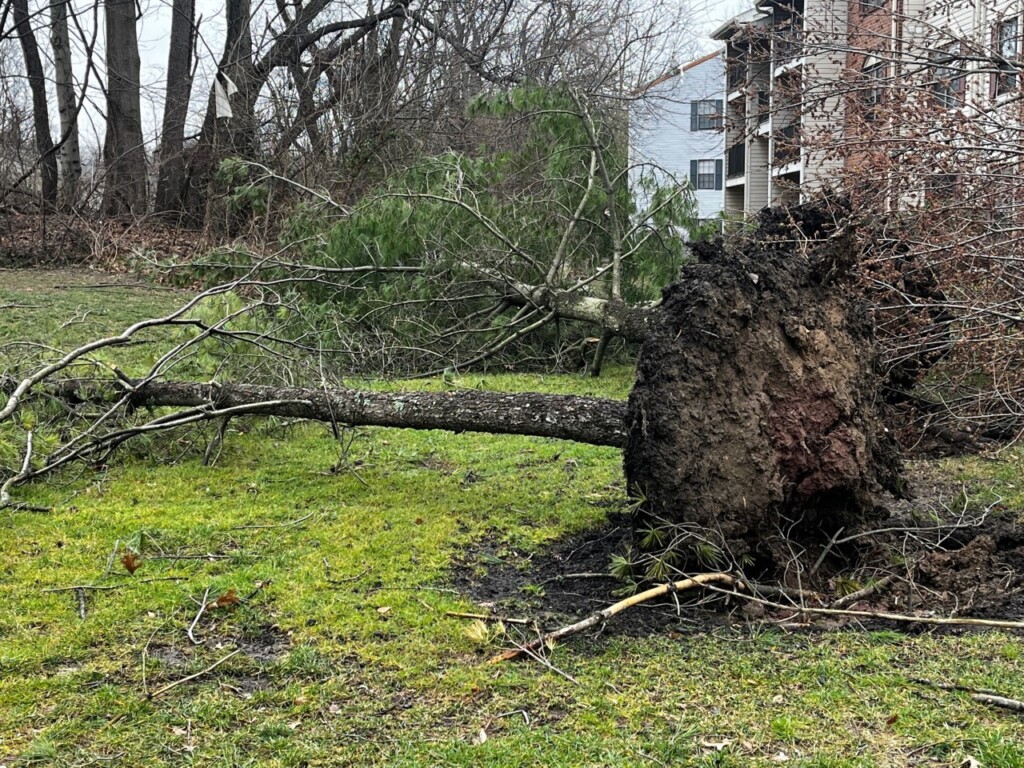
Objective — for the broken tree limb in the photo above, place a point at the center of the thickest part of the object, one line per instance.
(605, 614)
(999, 701)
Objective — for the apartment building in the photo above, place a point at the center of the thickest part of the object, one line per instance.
(776, 54)
(819, 87)
(677, 133)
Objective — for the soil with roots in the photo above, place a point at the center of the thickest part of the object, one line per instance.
(947, 551)
(756, 429)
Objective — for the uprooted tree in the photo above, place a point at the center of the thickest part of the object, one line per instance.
(754, 417)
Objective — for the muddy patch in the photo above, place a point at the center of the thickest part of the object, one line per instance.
(945, 552)
(268, 645)
(570, 579)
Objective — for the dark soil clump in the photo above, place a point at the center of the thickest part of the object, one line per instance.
(755, 419)
(943, 562)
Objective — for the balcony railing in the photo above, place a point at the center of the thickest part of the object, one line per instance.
(736, 73)
(788, 45)
(763, 106)
(787, 146)
(736, 161)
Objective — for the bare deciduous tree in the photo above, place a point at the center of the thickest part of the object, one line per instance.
(40, 107)
(124, 151)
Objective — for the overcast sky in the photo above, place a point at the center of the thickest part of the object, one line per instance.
(154, 31)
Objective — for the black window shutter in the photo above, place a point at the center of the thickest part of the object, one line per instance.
(693, 174)
(718, 174)
(993, 78)
(720, 119)
(693, 115)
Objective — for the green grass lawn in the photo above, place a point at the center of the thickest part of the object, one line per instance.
(345, 555)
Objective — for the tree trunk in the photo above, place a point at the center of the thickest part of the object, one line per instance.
(69, 158)
(170, 189)
(755, 420)
(40, 111)
(124, 152)
(591, 420)
(229, 126)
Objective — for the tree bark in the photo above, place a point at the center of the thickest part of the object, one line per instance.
(591, 420)
(124, 152)
(40, 110)
(69, 157)
(170, 189)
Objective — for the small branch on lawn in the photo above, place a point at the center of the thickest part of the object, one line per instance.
(346, 580)
(953, 686)
(486, 617)
(176, 683)
(980, 695)
(199, 614)
(605, 614)
(77, 587)
(533, 654)
(290, 523)
(569, 576)
(898, 617)
(999, 701)
(26, 470)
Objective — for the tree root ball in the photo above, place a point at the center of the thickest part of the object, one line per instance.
(755, 430)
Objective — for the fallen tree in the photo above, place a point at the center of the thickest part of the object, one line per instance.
(754, 422)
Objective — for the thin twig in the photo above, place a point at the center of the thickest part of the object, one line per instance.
(81, 586)
(176, 683)
(199, 613)
(953, 686)
(899, 617)
(567, 576)
(999, 701)
(537, 657)
(703, 579)
(346, 580)
(277, 525)
(486, 617)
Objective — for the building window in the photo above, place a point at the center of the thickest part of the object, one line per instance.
(706, 115)
(874, 77)
(1006, 35)
(706, 174)
(950, 86)
(942, 187)
(867, 6)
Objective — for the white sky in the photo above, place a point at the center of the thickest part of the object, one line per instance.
(154, 33)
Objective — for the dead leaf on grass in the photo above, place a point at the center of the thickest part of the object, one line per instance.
(131, 562)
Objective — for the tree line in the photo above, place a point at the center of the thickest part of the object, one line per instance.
(303, 87)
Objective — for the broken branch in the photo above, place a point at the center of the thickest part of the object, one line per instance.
(605, 614)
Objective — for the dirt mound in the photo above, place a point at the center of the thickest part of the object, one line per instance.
(933, 558)
(754, 429)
